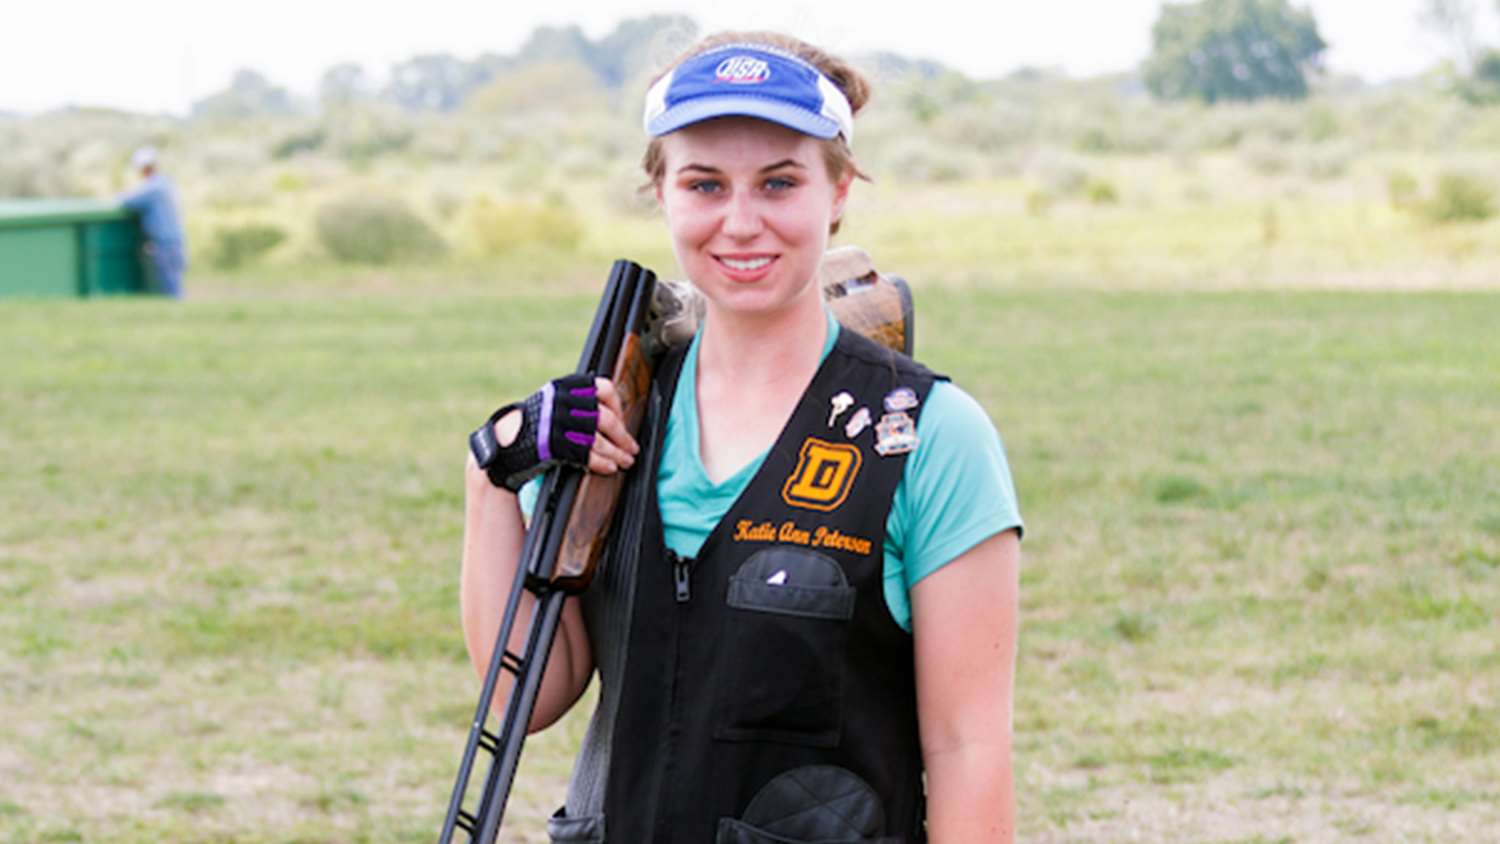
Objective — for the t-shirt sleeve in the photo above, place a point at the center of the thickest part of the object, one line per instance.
(956, 489)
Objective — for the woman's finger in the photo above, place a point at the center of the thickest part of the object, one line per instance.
(605, 389)
(611, 421)
(615, 452)
(606, 458)
(601, 466)
(612, 428)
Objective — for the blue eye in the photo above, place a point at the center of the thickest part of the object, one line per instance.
(704, 186)
(779, 183)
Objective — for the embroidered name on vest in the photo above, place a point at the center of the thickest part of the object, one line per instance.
(824, 474)
(788, 532)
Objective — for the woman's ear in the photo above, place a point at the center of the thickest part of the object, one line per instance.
(841, 194)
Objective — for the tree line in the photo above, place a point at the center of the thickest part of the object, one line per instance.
(1206, 50)
(1226, 50)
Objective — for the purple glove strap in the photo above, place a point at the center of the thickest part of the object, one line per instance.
(584, 393)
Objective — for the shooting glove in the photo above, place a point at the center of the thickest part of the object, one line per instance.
(558, 423)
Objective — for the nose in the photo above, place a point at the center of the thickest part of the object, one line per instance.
(742, 219)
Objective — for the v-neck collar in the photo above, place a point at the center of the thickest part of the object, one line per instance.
(688, 416)
(746, 476)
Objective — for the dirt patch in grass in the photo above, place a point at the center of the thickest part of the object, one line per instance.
(1228, 809)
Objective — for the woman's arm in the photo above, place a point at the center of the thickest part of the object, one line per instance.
(493, 530)
(964, 620)
(493, 534)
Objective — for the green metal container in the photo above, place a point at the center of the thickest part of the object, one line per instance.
(69, 247)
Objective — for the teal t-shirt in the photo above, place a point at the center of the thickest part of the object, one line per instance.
(955, 492)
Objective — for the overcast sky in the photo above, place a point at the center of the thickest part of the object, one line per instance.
(161, 55)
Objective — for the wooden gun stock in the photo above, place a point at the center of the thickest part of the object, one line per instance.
(594, 507)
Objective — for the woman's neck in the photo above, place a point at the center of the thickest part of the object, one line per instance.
(762, 350)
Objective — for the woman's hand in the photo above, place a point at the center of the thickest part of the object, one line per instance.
(576, 420)
(614, 449)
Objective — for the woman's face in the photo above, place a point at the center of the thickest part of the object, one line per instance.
(749, 204)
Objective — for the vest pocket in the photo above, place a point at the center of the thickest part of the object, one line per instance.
(586, 829)
(814, 804)
(783, 660)
(738, 832)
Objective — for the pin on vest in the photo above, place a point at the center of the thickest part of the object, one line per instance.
(899, 399)
(895, 433)
(841, 402)
(857, 423)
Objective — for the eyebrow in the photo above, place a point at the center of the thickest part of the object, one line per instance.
(704, 168)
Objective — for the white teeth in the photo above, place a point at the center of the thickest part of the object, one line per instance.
(754, 264)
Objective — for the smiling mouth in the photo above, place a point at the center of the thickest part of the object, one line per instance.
(747, 265)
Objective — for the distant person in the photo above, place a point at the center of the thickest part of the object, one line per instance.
(156, 202)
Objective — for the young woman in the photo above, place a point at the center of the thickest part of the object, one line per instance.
(805, 628)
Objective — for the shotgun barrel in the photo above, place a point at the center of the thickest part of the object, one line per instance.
(558, 557)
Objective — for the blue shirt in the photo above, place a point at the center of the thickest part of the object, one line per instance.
(156, 202)
(955, 492)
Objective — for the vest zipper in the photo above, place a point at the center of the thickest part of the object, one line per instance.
(682, 575)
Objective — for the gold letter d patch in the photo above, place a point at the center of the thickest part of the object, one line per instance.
(825, 472)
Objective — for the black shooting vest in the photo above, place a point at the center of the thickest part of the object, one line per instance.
(760, 692)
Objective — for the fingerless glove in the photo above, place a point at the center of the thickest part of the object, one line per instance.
(558, 424)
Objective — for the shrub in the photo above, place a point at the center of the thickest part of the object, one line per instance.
(920, 161)
(375, 143)
(1265, 155)
(1321, 123)
(298, 142)
(234, 246)
(1460, 198)
(1270, 226)
(620, 194)
(359, 135)
(1198, 192)
(1227, 125)
(1094, 139)
(1270, 157)
(497, 228)
(445, 203)
(546, 85)
(1401, 188)
(1060, 175)
(1102, 192)
(988, 127)
(1483, 86)
(24, 176)
(289, 182)
(1323, 162)
(1134, 626)
(1175, 488)
(1038, 202)
(374, 230)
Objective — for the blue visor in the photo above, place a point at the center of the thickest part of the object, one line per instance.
(748, 80)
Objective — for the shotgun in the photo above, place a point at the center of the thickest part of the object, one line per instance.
(636, 321)
(563, 542)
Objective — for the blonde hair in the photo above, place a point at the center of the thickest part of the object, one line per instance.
(855, 88)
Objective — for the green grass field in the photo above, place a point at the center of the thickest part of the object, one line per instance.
(1259, 592)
